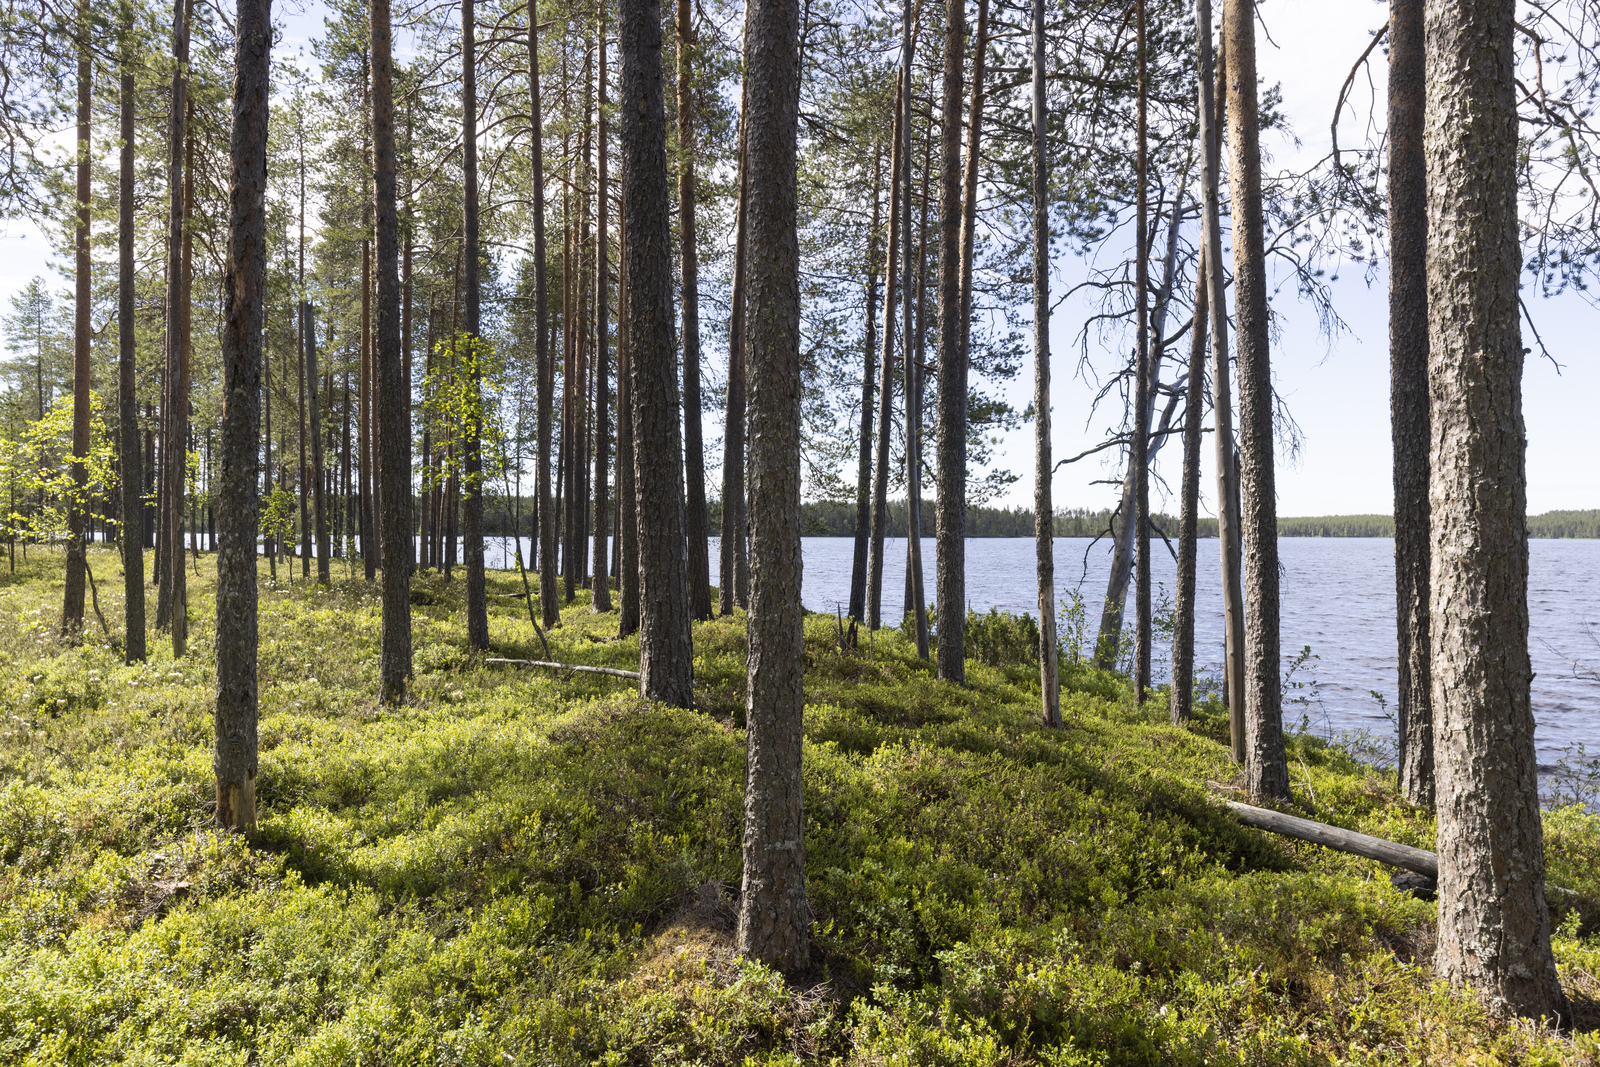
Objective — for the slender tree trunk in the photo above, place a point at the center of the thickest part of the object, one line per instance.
(627, 491)
(950, 559)
(911, 332)
(177, 123)
(1408, 394)
(666, 651)
(601, 584)
(314, 410)
(179, 462)
(549, 605)
(569, 357)
(371, 537)
(471, 458)
(1182, 699)
(77, 559)
(880, 491)
(244, 299)
(1494, 928)
(1043, 505)
(393, 421)
(774, 917)
(693, 444)
(735, 557)
(1139, 447)
(1266, 764)
(858, 570)
(1212, 108)
(425, 533)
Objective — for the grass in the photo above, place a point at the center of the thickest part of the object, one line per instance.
(522, 868)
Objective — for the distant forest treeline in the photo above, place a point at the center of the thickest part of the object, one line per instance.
(838, 520)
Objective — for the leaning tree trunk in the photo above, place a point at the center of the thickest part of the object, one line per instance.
(1043, 506)
(774, 916)
(1266, 764)
(77, 558)
(863, 518)
(393, 421)
(471, 454)
(127, 386)
(880, 476)
(1139, 447)
(694, 448)
(244, 299)
(666, 649)
(734, 559)
(601, 584)
(950, 514)
(549, 600)
(1494, 928)
(1408, 394)
(1182, 696)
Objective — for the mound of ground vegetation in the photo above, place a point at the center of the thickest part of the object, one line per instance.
(525, 868)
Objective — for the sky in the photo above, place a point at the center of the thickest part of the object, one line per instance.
(1336, 388)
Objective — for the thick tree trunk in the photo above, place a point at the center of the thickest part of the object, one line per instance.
(627, 493)
(1266, 764)
(774, 916)
(693, 445)
(734, 558)
(666, 650)
(858, 569)
(1494, 928)
(314, 410)
(601, 583)
(77, 559)
(244, 300)
(880, 477)
(1408, 394)
(127, 350)
(471, 458)
(950, 557)
(1144, 377)
(1043, 504)
(393, 421)
(1182, 698)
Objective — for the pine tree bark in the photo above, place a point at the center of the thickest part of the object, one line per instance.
(601, 583)
(319, 508)
(627, 492)
(471, 456)
(178, 424)
(177, 120)
(1139, 447)
(693, 442)
(911, 327)
(880, 477)
(666, 651)
(1494, 927)
(393, 422)
(1043, 469)
(774, 916)
(950, 515)
(371, 536)
(1408, 394)
(77, 559)
(858, 569)
(1181, 704)
(733, 558)
(127, 386)
(1266, 764)
(549, 601)
(244, 300)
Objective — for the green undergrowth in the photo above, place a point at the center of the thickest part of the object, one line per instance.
(521, 867)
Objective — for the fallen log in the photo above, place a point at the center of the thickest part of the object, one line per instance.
(613, 671)
(1393, 853)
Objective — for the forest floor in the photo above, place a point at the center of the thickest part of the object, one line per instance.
(523, 868)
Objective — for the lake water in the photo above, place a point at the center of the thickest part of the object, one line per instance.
(1337, 597)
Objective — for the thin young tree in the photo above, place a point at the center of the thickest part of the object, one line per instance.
(693, 445)
(393, 422)
(666, 650)
(244, 307)
(774, 916)
(950, 514)
(77, 550)
(1139, 445)
(1266, 763)
(863, 523)
(601, 582)
(734, 557)
(880, 476)
(471, 433)
(127, 388)
(1494, 926)
(1043, 506)
(1181, 703)
(1408, 394)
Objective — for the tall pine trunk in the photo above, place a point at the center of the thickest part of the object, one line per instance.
(950, 558)
(244, 300)
(314, 412)
(880, 476)
(693, 444)
(471, 457)
(627, 492)
(601, 584)
(1043, 504)
(666, 650)
(1494, 927)
(393, 421)
(734, 557)
(77, 550)
(549, 601)
(1181, 703)
(858, 569)
(774, 916)
(1139, 447)
(133, 474)
(177, 122)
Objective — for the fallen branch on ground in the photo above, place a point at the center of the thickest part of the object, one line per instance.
(615, 672)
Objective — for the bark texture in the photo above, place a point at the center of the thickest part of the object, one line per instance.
(1266, 764)
(733, 551)
(1182, 698)
(1139, 448)
(880, 476)
(863, 524)
(127, 388)
(951, 443)
(77, 560)
(393, 409)
(315, 481)
(694, 455)
(243, 296)
(601, 582)
(549, 600)
(774, 917)
(471, 454)
(627, 494)
(666, 651)
(1043, 506)
(1408, 394)
(1494, 928)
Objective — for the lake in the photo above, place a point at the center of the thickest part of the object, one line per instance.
(1337, 598)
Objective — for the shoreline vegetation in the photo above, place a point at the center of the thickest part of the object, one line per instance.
(538, 867)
